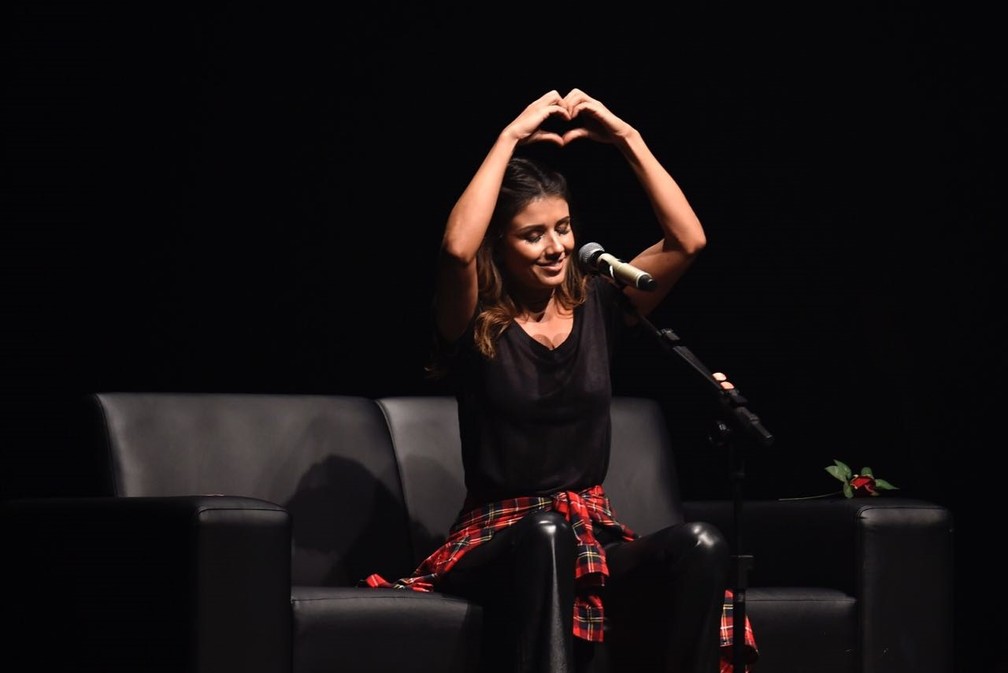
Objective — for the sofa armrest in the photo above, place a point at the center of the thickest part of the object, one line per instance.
(185, 583)
(894, 555)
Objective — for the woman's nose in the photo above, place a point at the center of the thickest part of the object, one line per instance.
(554, 243)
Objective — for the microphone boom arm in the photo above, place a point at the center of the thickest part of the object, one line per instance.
(732, 402)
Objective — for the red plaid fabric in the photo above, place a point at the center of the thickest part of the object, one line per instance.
(727, 636)
(584, 511)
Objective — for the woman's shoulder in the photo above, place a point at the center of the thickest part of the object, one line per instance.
(608, 301)
(600, 290)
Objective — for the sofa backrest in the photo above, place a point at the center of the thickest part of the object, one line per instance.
(642, 483)
(425, 436)
(327, 459)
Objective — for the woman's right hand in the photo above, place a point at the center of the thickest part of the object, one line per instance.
(527, 127)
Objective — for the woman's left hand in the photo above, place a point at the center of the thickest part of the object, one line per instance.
(595, 120)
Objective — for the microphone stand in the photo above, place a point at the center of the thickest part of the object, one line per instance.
(734, 419)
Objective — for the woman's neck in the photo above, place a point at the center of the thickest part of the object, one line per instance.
(539, 309)
(535, 308)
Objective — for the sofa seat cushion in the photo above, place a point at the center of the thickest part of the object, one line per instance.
(392, 629)
(804, 629)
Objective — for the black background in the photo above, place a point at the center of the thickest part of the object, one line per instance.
(249, 197)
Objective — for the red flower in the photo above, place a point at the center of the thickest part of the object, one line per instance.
(863, 485)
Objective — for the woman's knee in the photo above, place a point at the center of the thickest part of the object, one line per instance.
(693, 543)
(546, 526)
(547, 531)
(708, 540)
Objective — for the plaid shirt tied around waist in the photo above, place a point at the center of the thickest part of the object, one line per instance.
(584, 510)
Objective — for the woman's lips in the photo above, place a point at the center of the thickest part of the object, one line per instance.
(554, 267)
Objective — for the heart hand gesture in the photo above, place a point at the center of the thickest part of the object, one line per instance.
(588, 118)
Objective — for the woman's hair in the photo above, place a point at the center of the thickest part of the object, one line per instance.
(524, 181)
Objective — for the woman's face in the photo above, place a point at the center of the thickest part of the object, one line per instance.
(538, 244)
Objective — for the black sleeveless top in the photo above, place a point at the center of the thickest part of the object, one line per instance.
(535, 420)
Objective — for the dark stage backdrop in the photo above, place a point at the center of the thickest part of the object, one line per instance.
(249, 197)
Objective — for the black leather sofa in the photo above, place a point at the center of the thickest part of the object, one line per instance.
(227, 532)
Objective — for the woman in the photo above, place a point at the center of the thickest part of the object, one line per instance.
(525, 337)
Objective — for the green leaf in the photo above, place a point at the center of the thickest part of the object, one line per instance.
(837, 472)
(840, 470)
(885, 485)
(847, 490)
(866, 471)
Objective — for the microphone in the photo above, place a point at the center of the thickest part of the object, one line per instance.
(596, 260)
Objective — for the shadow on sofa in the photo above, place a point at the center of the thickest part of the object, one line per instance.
(228, 531)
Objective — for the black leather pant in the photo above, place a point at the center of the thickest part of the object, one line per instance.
(662, 601)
